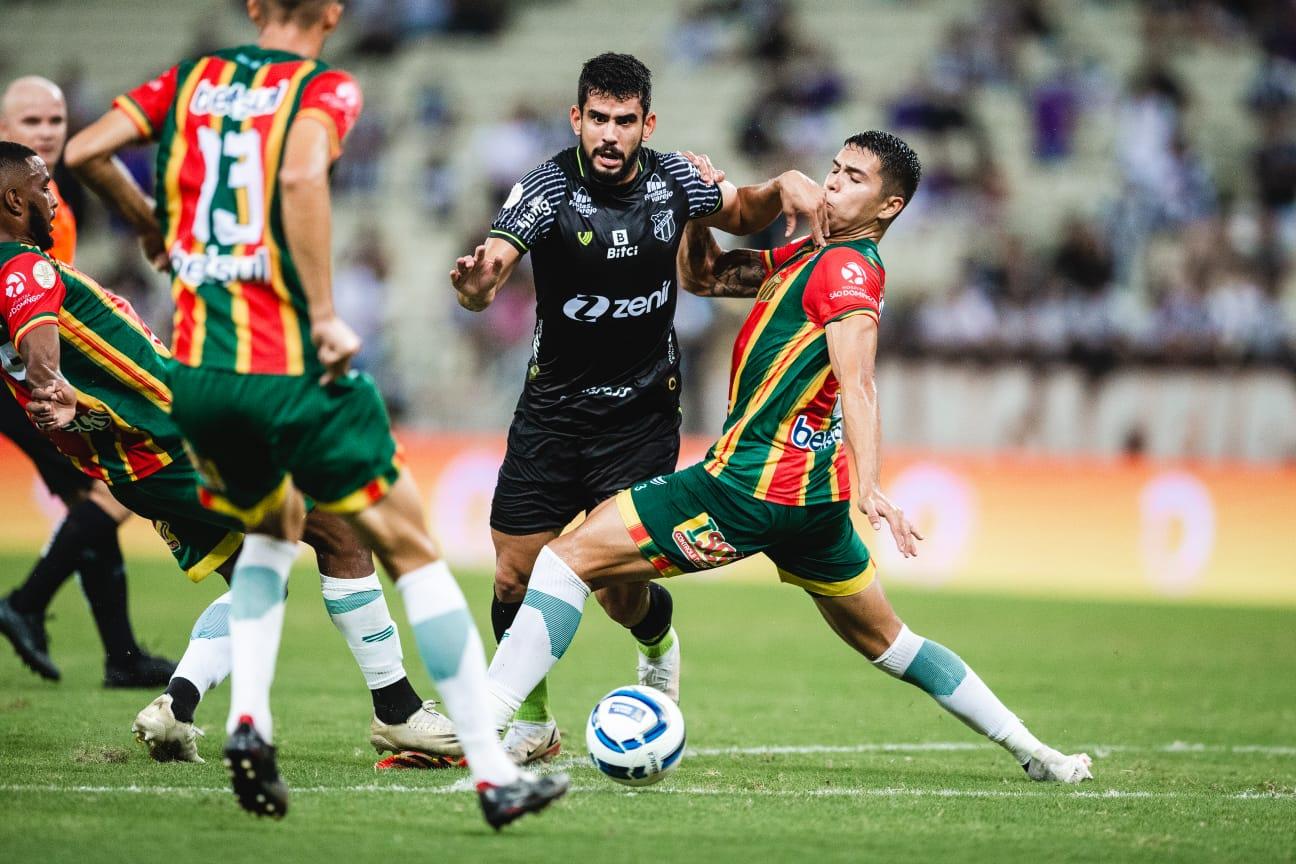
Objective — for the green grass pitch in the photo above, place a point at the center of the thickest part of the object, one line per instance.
(798, 749)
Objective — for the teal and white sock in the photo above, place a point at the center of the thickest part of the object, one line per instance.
(540, 634)
(944, 676)
(256, 623)
(359, 611)
(451, 648)
(206, 662)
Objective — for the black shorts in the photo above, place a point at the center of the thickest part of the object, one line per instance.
(61, 477)
(548, 478)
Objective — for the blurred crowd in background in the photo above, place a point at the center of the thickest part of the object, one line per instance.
(1185, 262)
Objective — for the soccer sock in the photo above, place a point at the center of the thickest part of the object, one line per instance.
(535, 707)
(58, 561)
(944, 676)
(654, 630)
(540, 635)
(103, 581)
(206, 662)
(256, 623)
(359, 611)
(452, 650)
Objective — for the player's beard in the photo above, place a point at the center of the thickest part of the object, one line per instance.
(41, 231)
(628, 162)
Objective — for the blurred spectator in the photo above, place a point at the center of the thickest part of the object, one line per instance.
(510, 148)
(360, 291)
(359, 171)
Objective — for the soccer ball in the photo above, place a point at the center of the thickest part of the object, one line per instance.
(635, 735)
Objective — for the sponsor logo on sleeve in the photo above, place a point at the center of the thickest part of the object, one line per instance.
(536, 209)
(853, 273)
(15, 285)
(43, 273)
(514, 196)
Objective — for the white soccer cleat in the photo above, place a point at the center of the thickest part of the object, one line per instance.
(526, 743)
(1047, 765)
(166, 738)
(426, 731)
(662, 673)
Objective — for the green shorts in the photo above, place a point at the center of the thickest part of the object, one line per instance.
(251, 435)
(200, 539)
(690, 521)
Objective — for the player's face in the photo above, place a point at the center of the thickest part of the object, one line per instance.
(41, 204)
(36, 117)
(855, 193)
(611, 132)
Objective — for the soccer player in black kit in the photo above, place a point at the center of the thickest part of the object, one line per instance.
(600, 407)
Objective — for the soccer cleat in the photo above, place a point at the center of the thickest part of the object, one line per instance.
(139, 670)
(1047, 765)
(662, 673)
(27, 633)
(416, 761)
(166, 738)
(528, 794)
(532, 742)
(251, 765)
(425, 731)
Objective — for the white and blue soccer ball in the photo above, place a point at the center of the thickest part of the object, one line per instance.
(635, 735)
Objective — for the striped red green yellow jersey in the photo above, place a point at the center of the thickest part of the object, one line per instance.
(782, 439)
(221, 122)
(122, 431)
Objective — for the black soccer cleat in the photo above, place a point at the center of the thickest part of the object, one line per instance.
(139, 670)
(251, 765)
(528, 794)
(27, 633)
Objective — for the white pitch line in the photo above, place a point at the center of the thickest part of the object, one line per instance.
(960, 746)
(841, 792)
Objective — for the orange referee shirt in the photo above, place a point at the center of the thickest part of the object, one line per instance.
(65, 230)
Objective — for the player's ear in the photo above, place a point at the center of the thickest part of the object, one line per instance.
(650, 123)
(256, 11)
(576, 118)
(13, 202)
(891, 207)
(332, 15)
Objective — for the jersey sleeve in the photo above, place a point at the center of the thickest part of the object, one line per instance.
(703, 198)
(333, 97)
(775, 258)
(531, 207)
(147, 105)
(32, 295)
(844, 283)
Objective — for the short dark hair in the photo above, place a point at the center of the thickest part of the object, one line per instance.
(621, 76)
(302, 12)
(901, 169)
(13, 157)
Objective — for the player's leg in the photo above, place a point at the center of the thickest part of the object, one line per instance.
(830, 561)
(354, 600)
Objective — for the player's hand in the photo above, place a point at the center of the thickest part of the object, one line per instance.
(153, 244)
(800, 195)
(335, 344)
(474, 279)
(710, 174)
(53, 406)
(877, 507)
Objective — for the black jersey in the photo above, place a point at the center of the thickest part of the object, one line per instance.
(604, 261)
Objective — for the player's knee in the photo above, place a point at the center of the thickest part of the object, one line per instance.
(338, 549)
(510, 585)
(625, 604)
(879, 633)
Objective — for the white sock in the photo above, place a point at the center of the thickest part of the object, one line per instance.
(944, 676)
(359, 611)
(256, 623)
(206, 662)
(540, 635)
(451, 648)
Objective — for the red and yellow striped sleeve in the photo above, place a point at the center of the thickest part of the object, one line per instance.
(31, 295)
(333, 98)
(844, 283)
(147, 105)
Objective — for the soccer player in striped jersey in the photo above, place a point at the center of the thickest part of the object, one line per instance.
(113, 424)
(34, 113)
(261, 385)
(802, 408)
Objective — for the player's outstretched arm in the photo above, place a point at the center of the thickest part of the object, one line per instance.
(708, 271)
(90, 154)
(852, 350)
(747, 209)
(53, 399)
(477, 277)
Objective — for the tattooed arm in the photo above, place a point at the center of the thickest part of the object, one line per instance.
(708, 271)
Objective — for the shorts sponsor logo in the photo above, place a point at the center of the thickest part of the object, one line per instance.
(806, 437)
(589, 308)
(663, 225)
(658, 190)
(514, 196)
(43, 273)
(236, 101)
(703, 543)
(163, 529)
(90, 421)
(195, 268)
(582, 203)
(612, 392)
(15, 284)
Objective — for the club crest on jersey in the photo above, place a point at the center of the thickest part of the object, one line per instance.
(582, 203)
(658, 190)
(664, 225)
(702, 542)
